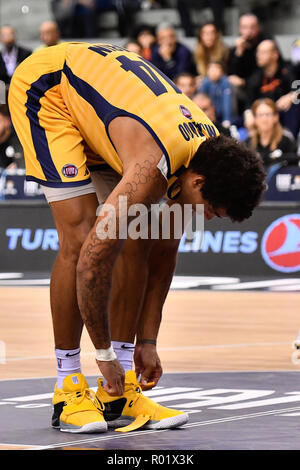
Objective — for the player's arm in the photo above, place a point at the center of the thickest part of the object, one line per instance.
(141, 183)
(162, 263)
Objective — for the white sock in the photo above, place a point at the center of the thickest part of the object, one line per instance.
(68, 362)
(124, 352)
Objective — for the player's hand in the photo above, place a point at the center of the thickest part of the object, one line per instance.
(240, 46)
(147, 364)
(285, 102)
(166, 50)
(114, 375)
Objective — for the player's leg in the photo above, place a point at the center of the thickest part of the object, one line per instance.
(55, 157)
(74, 219)
(128, 291)
(75, 409)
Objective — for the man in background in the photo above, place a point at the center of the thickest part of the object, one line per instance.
(169, 55)
(205, 103)
(12, 54)
(49, 34)
(186, 82)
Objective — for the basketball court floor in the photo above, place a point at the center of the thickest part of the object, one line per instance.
(228, 360)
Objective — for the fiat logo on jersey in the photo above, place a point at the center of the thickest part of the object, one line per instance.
(280, 245)
(70, 171)
(185, 112)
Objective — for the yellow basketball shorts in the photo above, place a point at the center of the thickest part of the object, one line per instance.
(54, 150)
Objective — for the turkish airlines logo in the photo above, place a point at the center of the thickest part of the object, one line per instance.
(280, 246)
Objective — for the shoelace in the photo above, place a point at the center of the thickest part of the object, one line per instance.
(79, 396)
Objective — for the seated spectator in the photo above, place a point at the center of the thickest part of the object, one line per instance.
(11, 54)
(267, 135)
(133, 46)
(145, 35)
(63, 12)
(169, 55)
(205, 103)
(186, 82)
(217, 86)
(11, 153)
(291, 117)
(209, 47)
(272, 79)
(126, 10)
(86, 17)
(184, 9)
(49, 34)
(79, 18)
(242, 57)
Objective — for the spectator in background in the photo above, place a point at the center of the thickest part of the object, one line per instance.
(49, 34)
(63, 12)
(272, 79)
(184, 9)
(133, 46)
(126, 10)
(78, 18)
(186, 82)
(169, 55)
(145, 35)
(218, 87)
(11, 53)
(205, 103)
(11, 153)
(210, 46)
(267, 135)
(242, 57)
(291, 117)
(85, 18)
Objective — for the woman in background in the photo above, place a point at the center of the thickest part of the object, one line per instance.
(210, 47)
(267, 136)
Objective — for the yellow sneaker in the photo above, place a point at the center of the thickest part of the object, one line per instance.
(136, 410)
(76, 408)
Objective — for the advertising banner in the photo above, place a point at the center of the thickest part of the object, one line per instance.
(268, 244)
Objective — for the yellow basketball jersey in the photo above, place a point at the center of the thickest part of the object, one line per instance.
(63, 98)
(100, 82)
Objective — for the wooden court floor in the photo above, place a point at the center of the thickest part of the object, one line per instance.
(201, 331)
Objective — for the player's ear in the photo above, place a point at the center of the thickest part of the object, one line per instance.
(198, 181)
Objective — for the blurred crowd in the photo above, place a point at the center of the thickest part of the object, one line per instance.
(248, 90)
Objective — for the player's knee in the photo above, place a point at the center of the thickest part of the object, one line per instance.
(71, 241)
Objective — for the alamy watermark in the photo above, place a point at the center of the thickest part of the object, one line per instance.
(137, 221)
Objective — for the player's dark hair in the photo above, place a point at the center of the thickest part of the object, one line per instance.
(234, 176)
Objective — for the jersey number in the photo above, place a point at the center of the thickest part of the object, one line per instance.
(145, 73)
(140, 68)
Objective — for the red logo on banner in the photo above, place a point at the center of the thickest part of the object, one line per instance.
(280, 246)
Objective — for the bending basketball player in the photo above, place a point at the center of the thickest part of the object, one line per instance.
(97, 124)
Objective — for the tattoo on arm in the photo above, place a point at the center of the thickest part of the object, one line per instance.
(94, 275)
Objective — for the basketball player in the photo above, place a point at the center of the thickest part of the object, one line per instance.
(98, 123)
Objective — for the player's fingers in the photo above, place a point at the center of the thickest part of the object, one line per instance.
(138, 371)
(148, 379)
(147, 386)
(116, 389)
